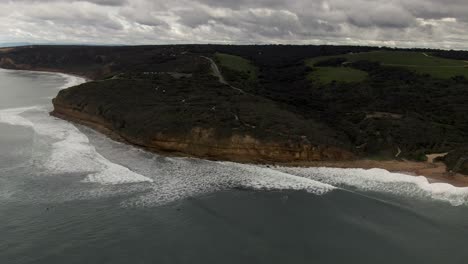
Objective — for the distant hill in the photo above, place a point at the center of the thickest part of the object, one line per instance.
(20, 44)
(14, 44)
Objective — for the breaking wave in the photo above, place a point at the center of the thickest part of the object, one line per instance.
(12, 116)
(71, 80)
(70, 150)
(379, 180)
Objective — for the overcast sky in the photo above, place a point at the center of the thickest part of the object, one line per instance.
(404, 23)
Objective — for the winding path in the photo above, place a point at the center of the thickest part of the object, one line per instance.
(217, 73)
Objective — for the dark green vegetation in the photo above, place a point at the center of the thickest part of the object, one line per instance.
(419, 62)
(331, 69)
(238, 64)
(138, 105)
(327, 75)
(236, 70)
(382, 100)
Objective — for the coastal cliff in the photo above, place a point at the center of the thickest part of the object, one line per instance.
(260, 103)
(160, 121)
(199, 142)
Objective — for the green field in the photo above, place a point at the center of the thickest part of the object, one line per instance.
(326, 75)
(416, 61)
(237, 63)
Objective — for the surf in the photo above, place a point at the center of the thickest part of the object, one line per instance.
(379, 180)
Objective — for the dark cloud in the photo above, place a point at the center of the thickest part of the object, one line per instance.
(431, 23)
(384, 16)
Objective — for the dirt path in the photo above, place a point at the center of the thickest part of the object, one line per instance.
(217, 73)
(215, 69)
(432, 157)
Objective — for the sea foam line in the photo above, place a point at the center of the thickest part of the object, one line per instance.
(262, 178)
(381, 180)
(71, 80)
(71, 150)
(12, 116)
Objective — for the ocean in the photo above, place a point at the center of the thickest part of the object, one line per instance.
(71, 195)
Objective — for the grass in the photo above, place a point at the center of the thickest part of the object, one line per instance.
(416, 61)
(326, 75)
(237, 63)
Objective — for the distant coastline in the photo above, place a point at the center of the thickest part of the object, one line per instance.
(51, 71)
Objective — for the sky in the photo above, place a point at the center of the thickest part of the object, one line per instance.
(400, 23)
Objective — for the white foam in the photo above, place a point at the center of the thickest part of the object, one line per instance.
(70, 150)
(71, 80)
(262, 178)
(179, 178)
(380, 180)
(116, 174)
(12, 116)
(74, 154)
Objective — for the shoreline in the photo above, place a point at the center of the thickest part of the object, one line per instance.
(435, 172)
(51, 71)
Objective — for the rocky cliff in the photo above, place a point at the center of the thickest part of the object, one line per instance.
(181, 116)
(201, 142)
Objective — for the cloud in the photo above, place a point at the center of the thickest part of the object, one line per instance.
(409, 23)
(97, 2)
(382, 16)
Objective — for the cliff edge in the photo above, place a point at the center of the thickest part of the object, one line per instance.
(197, 116)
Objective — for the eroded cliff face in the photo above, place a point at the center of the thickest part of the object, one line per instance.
(8, 63)
(202, 143)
